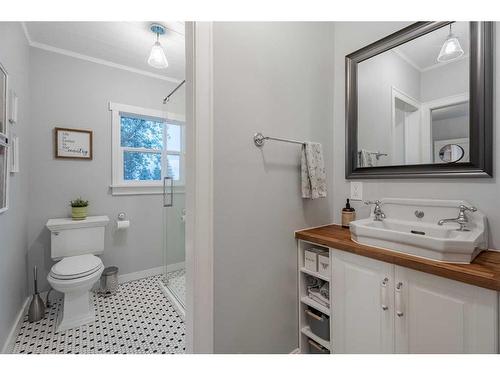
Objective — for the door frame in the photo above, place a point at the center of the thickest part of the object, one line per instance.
(396, 93)
(199, 188)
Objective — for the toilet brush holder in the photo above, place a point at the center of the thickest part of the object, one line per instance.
(36, 310)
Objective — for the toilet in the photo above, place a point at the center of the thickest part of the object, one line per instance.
(74, 245)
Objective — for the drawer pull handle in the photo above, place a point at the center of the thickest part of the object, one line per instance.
(399, 308)
(383, 294)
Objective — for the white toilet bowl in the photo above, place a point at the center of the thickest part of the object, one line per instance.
(74, 276)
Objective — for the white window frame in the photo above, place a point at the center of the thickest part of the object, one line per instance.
(119, 186)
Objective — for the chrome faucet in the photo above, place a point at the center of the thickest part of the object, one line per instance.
(377, 211)
(461, 219)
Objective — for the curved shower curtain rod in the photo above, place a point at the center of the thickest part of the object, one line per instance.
(167, 98)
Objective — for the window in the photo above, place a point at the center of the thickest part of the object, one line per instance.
(148, 145)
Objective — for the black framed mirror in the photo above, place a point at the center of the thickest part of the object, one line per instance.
(413, 92)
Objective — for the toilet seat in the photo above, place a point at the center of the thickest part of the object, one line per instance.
(76, 267)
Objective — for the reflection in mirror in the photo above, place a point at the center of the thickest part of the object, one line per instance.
(451, 153)
(414, 99)
(450, 126)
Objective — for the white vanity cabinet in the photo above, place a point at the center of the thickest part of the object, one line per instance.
(438, 315)
(378, 307)
(362, 295)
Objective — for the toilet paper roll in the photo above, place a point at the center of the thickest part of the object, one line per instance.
(122, 224)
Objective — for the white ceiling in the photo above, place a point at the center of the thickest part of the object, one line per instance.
(451, 111)
(423, 52)
(124, 43)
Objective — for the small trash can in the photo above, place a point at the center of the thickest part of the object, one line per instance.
(109, 281)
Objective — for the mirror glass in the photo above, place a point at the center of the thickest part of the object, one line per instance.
(3, 101)
(413, 101)
(3, 140)
(3, 176)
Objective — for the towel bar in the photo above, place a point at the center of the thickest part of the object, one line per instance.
(259, 140)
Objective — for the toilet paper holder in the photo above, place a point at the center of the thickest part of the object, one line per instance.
(121, 222)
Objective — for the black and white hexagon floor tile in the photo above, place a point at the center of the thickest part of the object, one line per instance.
(137, 319)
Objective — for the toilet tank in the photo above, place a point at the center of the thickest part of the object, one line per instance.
(77, 237)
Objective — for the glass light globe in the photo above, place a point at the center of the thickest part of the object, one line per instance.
(157, 58)
(450, 50)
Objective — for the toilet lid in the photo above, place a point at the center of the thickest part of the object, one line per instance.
(76, 266)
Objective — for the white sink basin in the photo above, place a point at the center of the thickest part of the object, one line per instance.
(403, 232)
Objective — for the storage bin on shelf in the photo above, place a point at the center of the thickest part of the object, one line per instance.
(315, 348)
(319, 323)
(324, 264)
(311, 258)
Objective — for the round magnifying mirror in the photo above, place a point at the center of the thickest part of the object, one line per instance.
(451, 153)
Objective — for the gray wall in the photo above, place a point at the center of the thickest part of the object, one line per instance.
(275, 78)
(376, 77)
(14, 56)
(69, 92)
(483, 193)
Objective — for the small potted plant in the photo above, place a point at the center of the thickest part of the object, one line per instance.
(79, 209)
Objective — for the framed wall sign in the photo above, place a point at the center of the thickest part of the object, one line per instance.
(73, 143)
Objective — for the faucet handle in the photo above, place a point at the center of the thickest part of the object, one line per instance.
(464, 208)
(376, 202)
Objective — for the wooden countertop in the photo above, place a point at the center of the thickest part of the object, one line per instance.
(484, 271)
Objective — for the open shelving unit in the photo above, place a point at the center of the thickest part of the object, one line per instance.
(305, 301)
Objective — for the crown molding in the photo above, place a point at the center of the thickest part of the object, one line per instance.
(436, 65)
(26, 33)
(95, 60)
(441, 64)
(402, 55)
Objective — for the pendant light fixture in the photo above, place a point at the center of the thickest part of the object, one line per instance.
(451, 49)
(157, 58)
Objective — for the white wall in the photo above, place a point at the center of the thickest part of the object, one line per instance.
(69, 92)
(14, 56)
(450, 128)
(442, 82)
(275, 78)
(483, 193)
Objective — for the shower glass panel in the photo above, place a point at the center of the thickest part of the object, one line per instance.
(174, 248)
(174, 277)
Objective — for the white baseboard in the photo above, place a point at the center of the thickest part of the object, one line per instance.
(8, 347)
(295, 351)
(125, 278)
(176, 266)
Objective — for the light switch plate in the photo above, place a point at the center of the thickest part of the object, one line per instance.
(356, 191)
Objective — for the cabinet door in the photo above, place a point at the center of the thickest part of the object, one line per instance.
(362, 304)
(438, 315)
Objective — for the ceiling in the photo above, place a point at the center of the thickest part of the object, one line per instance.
(422, 52)
(124, 43)
(451, 111)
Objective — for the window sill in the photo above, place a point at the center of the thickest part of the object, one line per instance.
(143, 190)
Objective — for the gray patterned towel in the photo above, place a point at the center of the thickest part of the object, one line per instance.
(313, 171)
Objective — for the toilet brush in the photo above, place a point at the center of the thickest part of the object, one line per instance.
(36, 310)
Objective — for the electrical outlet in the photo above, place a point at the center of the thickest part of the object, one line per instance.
(356, 191)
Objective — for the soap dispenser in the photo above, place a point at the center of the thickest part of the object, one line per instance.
(348, 214)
